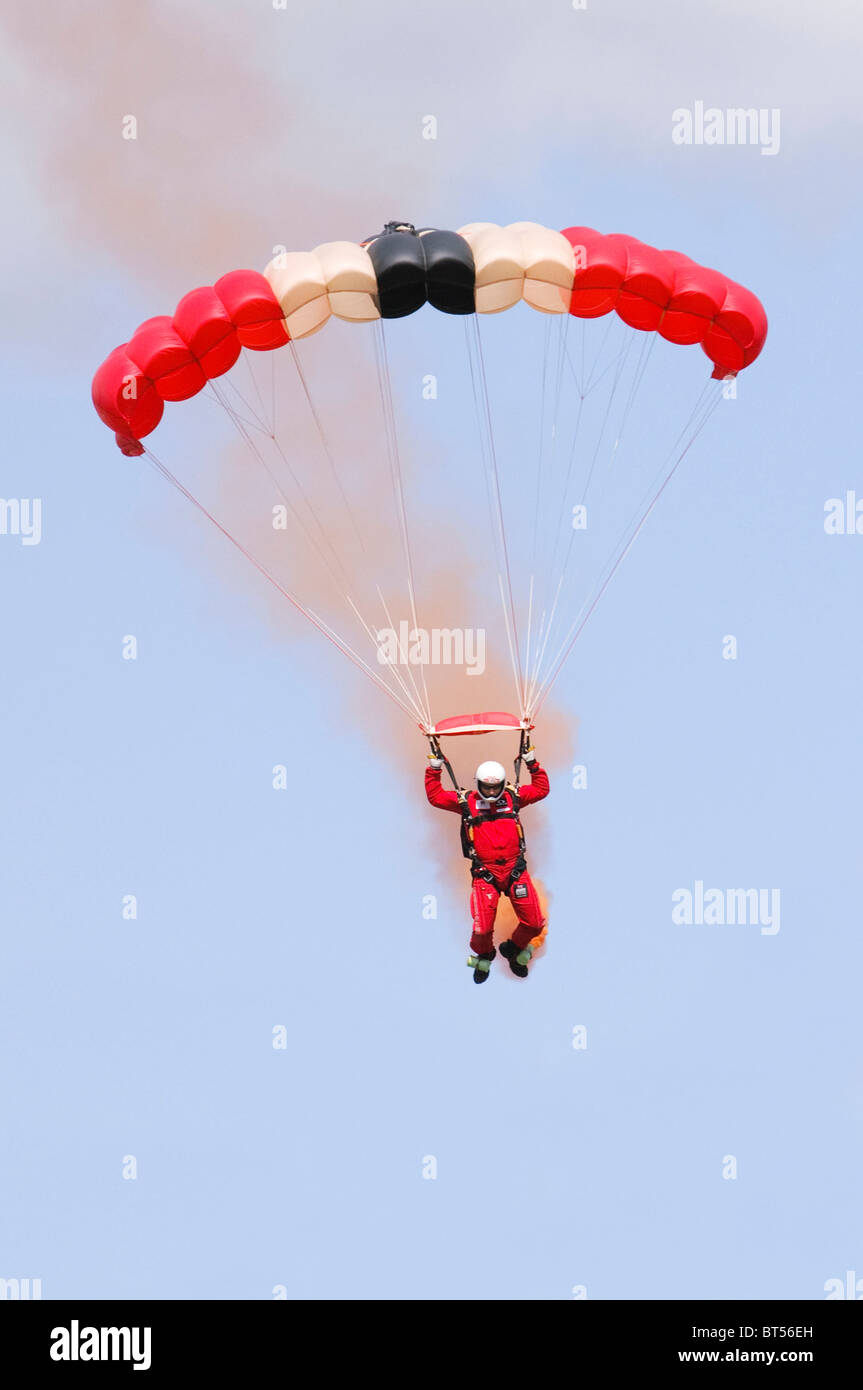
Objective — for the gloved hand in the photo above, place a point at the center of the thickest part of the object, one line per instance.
(434, 762)
(529, 755)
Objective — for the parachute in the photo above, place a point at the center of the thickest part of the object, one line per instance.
(570, 277)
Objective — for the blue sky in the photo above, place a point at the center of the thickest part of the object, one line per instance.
(302, 1167)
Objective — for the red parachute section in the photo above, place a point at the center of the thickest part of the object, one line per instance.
(173, 358)
(667, 293)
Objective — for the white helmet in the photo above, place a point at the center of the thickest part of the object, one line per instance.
(490, 781)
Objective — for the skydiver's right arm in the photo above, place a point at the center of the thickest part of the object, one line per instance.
(438, 795)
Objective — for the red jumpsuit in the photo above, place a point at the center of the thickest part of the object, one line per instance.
(498, 847)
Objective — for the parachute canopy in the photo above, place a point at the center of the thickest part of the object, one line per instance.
(482, 268)
(321, 503)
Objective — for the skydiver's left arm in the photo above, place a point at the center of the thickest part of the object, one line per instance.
(539, 783)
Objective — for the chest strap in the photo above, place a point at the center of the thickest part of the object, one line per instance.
(469, 820)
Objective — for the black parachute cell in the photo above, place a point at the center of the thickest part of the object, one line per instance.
(450, 272)
(400, 269)
(412, 268)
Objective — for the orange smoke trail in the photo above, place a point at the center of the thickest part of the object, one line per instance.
(507, 921)
(202, 185)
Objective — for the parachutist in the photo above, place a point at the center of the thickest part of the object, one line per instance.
(493, 841)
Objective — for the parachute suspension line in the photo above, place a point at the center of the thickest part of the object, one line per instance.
(541, 444)
(562, 349)
(396, 476)
(713, 400)
(586, 384)
(409, 701)
(335, 473)
(638, 377)
(542, 643)
(705, 390)
(583, 391)
(479, 383)
(648, 505)
(531, 674)
(511, 643)
(540, 449)
(641, 366)
(270, 422)
(414, 699)
(621, 363)
(272, 358)
(340, 580)
(618, 363)
(562, 334)
(563, 339)
(588, 390)
(286, 593)
(388, 409)
(483, 444)
(229, 386)
(325, 445)
(561, 512)
(220, 398)
(529, 629)
(542, 634)
(580, 383)
(550, 553)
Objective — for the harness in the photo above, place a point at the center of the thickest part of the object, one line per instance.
(470, 819)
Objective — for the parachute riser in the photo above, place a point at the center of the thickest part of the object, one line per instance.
(523, 745)
(439, 753)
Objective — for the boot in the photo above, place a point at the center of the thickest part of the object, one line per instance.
(481, 965)
(518, 957)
